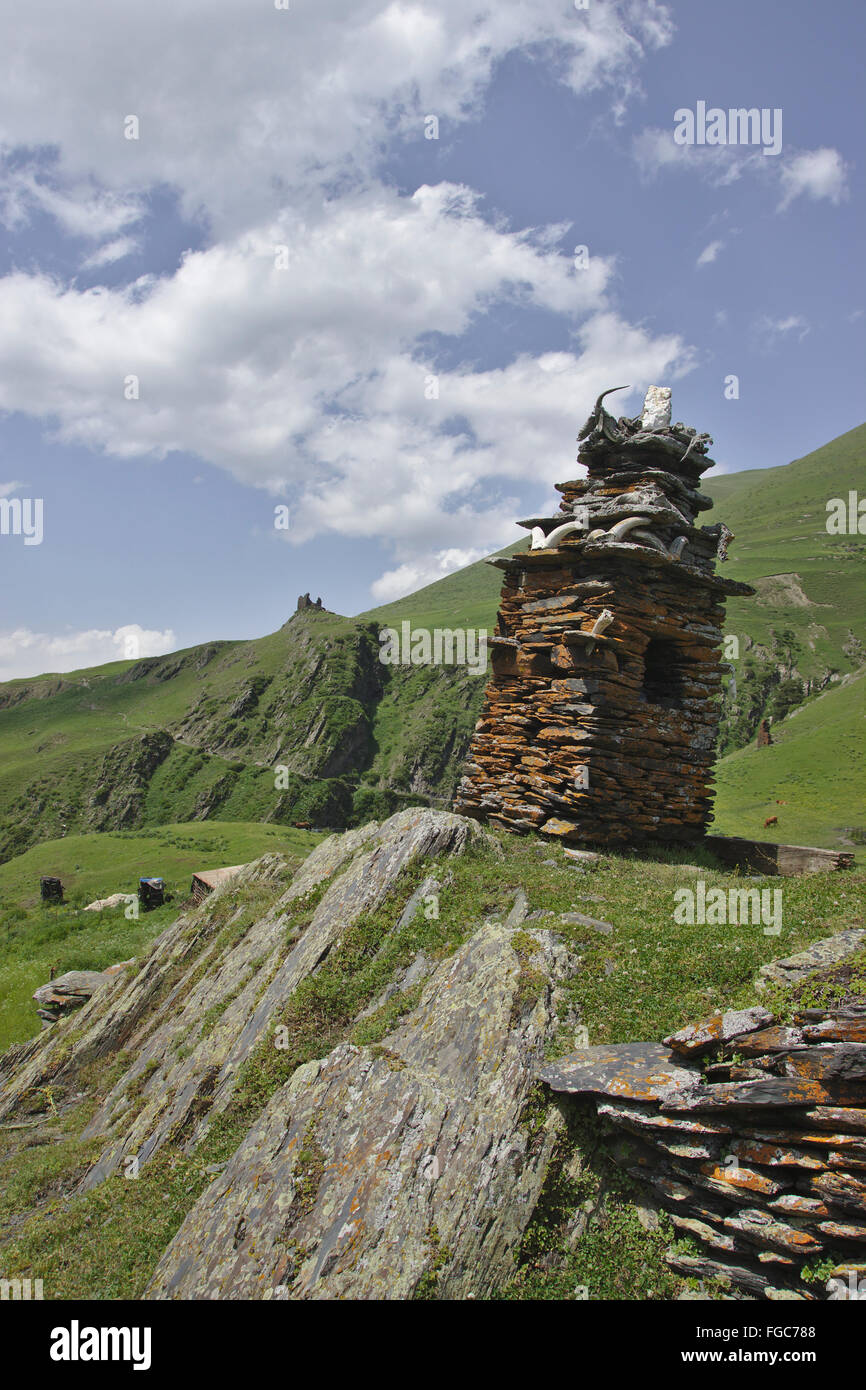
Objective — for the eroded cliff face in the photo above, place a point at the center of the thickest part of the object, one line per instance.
(410, 1164)
(198, 735)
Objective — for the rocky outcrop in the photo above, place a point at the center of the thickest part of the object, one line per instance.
(206, 994)
(191, 1071)
(121, 785)
(828, 951)
(410, 1167)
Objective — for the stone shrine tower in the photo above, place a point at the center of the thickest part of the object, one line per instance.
(600, 719)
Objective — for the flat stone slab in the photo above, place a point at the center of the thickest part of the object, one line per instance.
(765, 857)
(639, 1120)
(849, 1027)
(582, 856)
(718, 1029)
(837, 1117)
(75, 985)
(845, 1061)
(818, 956)
(758, 1228)
(838, 1230)
(635, 1071)
(842, 1190)
(775, 1039)
(579, 919)
(700, 1267)
(775, 1091)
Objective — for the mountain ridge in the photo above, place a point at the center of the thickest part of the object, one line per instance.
(306, 724)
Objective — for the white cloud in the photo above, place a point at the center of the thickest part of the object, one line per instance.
(110, 252)
(405, 579)
(311, 381)
(771, 330)
(814, 174)
(27, 653)
(238, 103)
(308, 381)
(7, 489)
(709, 253)
(656, 152)
(79, 209)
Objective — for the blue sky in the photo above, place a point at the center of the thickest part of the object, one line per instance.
(412, 378)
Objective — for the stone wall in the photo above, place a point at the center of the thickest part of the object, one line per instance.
(751, 1132)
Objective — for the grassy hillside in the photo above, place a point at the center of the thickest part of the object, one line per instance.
(198, 735)
(811, 777)
(34, 938)
(807, 579)
(194, 735)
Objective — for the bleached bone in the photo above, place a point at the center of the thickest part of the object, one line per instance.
(622, 528)
(677, 547)
(542, 542)
(604, 620)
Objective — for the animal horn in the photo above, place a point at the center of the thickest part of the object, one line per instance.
(608, 392)
(623, 527)
(650, 539)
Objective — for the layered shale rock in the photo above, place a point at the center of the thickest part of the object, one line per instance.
(410, 1167)
(211, 984)
(71, 991)
(752, 1133)
(600, 720)
(407, 1168)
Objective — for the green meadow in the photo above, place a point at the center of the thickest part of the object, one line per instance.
(35, 937)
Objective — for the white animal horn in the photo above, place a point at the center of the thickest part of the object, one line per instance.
(565, 530)
(622, 528)
(542, 542)
(604, 620)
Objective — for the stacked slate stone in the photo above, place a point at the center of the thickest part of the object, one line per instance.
(600, 720)
(751, 1132)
